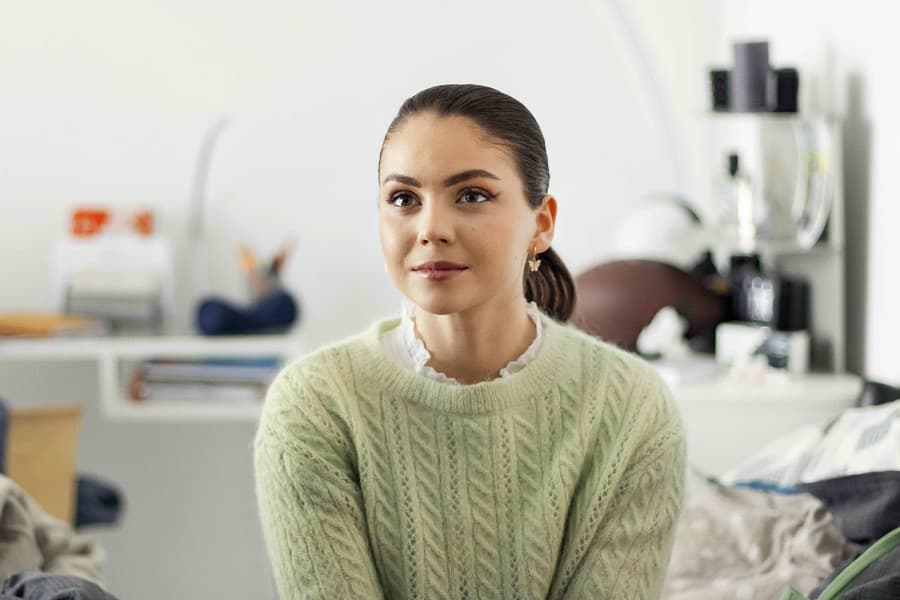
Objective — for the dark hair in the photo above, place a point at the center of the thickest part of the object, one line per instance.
(506, 119)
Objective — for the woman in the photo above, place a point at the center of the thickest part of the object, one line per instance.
(477, 446)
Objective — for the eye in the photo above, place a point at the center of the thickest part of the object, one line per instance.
(401, 197)
(470, 193)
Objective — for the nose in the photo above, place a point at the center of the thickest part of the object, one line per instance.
(435, 224)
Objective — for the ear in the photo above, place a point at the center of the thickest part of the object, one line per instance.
(545, 222)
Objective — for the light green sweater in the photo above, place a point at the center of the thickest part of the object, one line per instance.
(562, 481)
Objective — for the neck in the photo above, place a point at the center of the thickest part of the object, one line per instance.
(379, 371)
(473, 345)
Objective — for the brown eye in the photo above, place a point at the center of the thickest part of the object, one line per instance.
(470, 196)
(401, 196)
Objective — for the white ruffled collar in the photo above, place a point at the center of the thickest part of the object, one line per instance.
(420, 355)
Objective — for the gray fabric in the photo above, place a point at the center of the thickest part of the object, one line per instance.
(866, 506)
(878, 581)
(749, 544)
(34, 585)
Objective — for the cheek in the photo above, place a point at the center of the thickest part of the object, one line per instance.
(386, 232)
(393, 238)
(500, 244)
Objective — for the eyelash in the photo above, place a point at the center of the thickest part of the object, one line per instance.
(487, 196)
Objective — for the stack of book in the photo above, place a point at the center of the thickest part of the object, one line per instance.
(225, 380)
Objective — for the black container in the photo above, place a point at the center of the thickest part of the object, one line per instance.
(787, 85)
(780, 302)
(718, 81)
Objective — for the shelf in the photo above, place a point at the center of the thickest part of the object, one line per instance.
(822, 248)
(79, 348)
(761, 115)
(126, 410)
(112, 355)
(779, 248)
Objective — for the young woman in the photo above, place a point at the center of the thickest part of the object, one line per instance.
(478, 446)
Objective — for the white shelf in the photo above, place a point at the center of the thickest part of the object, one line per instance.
(777, 247)
(111, 354)
(78, 348)
(126, 410)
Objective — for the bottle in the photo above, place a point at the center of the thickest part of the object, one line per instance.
(738, 218)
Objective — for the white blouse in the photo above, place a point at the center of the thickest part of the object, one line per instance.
(404, 346)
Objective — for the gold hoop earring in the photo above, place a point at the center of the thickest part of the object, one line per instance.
(534, 262)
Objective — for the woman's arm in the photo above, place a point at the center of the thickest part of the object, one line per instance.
(629, 526)
(310, 504)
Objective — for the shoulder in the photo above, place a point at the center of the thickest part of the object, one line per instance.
(309, 392)
(324, 369)
(605, 362)
(613, 374)
(646, 412)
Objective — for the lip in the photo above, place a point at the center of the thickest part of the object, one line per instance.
(440, 265)
(439, 274)
(439, 270)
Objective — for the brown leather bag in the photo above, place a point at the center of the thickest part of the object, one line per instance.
(617, 299)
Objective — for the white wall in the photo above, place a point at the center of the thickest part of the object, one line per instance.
(106, 102)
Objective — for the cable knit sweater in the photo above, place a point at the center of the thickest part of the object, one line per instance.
(563, 480)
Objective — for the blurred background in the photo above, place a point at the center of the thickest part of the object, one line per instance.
(258, 124)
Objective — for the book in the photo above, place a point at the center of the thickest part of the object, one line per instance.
(211, 370)
(201, 392)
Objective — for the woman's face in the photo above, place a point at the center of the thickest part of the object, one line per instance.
(450, 193)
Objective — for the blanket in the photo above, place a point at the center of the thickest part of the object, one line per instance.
(32, 540)
(750, 544)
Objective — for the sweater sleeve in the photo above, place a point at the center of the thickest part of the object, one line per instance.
(630, 548)
(310, 503)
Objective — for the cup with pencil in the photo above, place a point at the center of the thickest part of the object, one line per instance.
(271, 310)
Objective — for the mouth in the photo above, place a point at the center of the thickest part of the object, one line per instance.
(440, 266)
(439, 271)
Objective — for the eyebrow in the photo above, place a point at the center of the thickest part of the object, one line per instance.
(452, 180)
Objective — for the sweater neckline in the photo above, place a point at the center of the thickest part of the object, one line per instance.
(482, 397)
(418, 355)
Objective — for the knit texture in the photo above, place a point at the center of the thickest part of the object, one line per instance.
(563, 480)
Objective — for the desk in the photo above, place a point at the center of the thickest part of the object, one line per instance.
(726, 422)
(114, 356)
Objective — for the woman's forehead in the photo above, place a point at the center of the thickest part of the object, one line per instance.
(430, 147)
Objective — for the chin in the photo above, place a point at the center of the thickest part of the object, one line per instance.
(437, 308)
(438, 304)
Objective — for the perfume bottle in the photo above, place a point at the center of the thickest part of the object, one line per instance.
(738, 217)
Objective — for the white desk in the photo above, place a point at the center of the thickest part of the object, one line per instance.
(114, 357)
(726, 422)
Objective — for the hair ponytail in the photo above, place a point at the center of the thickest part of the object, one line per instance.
(551, 287)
